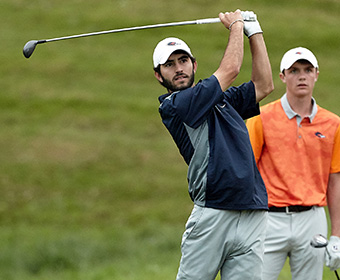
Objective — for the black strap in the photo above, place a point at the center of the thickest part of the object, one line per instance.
(289, 209)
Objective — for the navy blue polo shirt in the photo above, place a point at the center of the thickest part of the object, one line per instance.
(208, 128)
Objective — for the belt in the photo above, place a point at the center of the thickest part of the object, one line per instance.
(290, 209)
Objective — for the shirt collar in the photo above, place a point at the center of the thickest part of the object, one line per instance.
(291, 114)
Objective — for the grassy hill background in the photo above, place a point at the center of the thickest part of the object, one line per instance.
(91, 184)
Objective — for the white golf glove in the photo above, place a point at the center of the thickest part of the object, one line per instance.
(251, 24)
(332, 255)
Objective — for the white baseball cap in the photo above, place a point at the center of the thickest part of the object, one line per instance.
(293, 55)
(166, 47)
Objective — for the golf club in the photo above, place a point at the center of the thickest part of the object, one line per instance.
(320, 241)
(30, 45)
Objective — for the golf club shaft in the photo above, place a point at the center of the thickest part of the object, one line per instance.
(190, 22)
(336, 274)
(30, 45)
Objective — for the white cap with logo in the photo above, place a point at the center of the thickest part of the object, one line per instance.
(293, 55)
(166, 47)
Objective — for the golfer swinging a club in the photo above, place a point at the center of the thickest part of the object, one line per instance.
(226, 229)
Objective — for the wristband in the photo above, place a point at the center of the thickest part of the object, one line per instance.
(231, 24)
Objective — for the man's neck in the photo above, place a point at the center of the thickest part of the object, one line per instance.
(301, 105)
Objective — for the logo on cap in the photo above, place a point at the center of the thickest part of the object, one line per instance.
(173, 44)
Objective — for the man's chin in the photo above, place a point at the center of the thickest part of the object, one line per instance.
(177, 87)
(182, 86)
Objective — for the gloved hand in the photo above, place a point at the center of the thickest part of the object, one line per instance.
(332, 255)
(251, 24)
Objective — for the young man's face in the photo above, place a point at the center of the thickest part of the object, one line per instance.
(300, 78)
(177, 73)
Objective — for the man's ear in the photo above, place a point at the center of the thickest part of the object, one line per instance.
(195, 66)
(283, 77)
(158, 77)
(317, 75)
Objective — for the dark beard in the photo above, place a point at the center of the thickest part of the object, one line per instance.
(172, 88)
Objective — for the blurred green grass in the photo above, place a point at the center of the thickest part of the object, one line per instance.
(91, 184)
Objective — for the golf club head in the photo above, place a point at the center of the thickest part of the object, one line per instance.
(319, 241)
(29, 48)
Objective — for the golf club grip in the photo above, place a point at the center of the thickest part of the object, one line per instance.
(208, 20)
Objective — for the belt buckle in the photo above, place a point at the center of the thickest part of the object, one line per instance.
(288, 212)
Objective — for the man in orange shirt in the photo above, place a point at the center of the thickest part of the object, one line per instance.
(296, 145)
